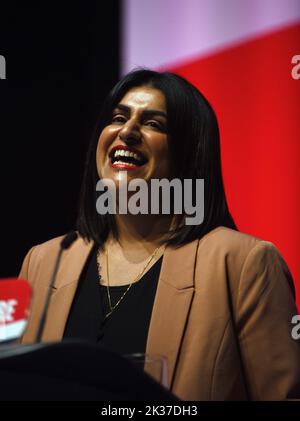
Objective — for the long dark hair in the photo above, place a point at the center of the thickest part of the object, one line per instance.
(195, 153)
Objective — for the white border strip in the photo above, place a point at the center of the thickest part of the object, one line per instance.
(160, 32)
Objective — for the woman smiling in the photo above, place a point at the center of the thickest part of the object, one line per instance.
(215, 302)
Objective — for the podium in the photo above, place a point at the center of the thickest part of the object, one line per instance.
(73, 371)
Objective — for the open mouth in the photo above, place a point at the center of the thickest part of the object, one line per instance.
(126, 158)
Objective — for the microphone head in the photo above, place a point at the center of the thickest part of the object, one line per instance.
(15, 297)
(68, 240)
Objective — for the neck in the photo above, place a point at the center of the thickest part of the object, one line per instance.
(145, 231)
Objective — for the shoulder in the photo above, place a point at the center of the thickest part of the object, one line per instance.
(229, 242)
(224, 248)
(42, 256)
(52, 246)
(229, 239)
(49, 246)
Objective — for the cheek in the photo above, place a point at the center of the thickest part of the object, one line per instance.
(105, 139)
(162, 152)
(161, 158)
(100, 153)
(107, 136)
(98, 161)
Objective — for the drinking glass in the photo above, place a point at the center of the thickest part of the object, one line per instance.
(153, 364)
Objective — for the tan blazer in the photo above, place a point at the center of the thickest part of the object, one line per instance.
(191, 322)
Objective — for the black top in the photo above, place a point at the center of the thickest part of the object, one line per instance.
(125, 330)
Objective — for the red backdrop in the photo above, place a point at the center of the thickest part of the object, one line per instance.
(257, 102)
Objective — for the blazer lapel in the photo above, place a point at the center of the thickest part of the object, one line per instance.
(171, 305)
(65, 288)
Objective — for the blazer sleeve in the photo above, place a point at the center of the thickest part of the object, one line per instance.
(25, 269)
(265, 308)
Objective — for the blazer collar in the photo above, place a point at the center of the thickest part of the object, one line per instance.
(64, 289)
(172, 302)
(73, 263)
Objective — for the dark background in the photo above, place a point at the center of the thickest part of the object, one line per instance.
(60, 63)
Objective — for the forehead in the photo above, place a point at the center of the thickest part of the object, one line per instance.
(144, 97)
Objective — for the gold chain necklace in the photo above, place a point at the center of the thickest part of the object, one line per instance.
(129, 286)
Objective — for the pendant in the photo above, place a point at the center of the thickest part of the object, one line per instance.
(108, 314)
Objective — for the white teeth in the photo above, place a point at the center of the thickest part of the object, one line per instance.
(122, 152)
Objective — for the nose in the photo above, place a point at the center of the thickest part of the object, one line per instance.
(129, 133)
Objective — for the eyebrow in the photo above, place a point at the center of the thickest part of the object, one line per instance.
(146, 113)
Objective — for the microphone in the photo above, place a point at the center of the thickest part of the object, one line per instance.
(15, 295)
(66, 242)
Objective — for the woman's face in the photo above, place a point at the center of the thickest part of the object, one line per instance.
(136, 140)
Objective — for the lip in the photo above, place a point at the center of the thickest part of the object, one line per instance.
(125, 166)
